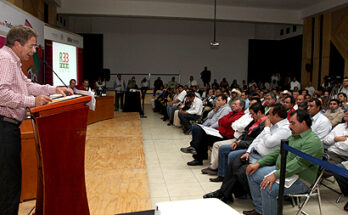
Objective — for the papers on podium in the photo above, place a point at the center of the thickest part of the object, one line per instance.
(58, 97)
(78, 93)
(211, 131)
(91, 103)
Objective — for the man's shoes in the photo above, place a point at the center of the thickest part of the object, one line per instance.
(189, 149)
(195, 163)
(188, 132)
(209, 171)
(346, 207)
(217, 179)
(218, 194)
(169, 124)
(252, 212)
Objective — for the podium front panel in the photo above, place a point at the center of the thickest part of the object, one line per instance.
(62, 138)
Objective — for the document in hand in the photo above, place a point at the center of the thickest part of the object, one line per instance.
(288, 181)
(211, 131)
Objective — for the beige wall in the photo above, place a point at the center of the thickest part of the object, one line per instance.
(36, 8)
(334, 29)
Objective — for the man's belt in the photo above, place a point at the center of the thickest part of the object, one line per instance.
(10, 120)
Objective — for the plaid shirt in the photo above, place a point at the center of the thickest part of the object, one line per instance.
(16, 90)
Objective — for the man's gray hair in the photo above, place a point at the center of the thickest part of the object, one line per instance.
(241, 102)
(272, 95)
(19, 33)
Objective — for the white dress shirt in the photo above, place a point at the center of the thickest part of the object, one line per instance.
(321, 125)
(294, 84)
(341, 147)
(239, 125)
(181, 96)
(269, 139)
(196, 107)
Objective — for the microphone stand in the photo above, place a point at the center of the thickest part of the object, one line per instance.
(49, 66)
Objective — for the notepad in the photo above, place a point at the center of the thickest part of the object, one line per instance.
(288, 181)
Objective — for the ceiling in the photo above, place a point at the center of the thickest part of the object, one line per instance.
(272, 4)
(267, 11)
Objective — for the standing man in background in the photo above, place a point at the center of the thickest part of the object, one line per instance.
(158, 85)
(16, 93)
(120, 88)
(205, 76)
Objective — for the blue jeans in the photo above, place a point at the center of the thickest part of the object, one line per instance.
(170, 111)
(227, 155)
(253, 157)
(265, 200)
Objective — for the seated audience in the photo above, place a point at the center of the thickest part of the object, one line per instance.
(235, 94)
(342, 97)
(201, 140)
(172, 83)
(299, 99)
(221, 109)
(245, 95)
(227, 153)
(235, 181)
(289, 103)
(334, 113)
(302, 106)
(238, 126)
(85, 86)
(338, 142)
(321, 125)
(173, 105)
(263, 174)
(72, 85)
(270, 99)
(193, 113)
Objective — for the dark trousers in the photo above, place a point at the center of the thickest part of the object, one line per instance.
(155, 90)
(10, 168)
(143, 92)
(200, 141)
(118, 100)
(235, 180)
(342, 182)
(185, 119)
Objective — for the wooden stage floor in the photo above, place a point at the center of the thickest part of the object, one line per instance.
(116, 175)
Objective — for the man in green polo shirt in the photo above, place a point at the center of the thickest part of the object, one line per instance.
(263, 174)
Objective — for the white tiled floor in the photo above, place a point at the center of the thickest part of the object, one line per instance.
(171, 179)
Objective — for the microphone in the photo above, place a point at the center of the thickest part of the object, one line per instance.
(49, 66)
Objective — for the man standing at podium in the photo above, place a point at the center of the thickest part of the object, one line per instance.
(16, 93)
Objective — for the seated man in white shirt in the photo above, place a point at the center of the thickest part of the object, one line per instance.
(321, 125)
(338, 142)
(193, 113)
(173, 105)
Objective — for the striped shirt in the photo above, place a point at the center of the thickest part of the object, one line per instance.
(16, 90)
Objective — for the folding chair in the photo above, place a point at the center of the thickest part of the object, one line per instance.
(340, 194)
(314, 191)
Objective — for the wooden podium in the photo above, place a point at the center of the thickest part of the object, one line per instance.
(60, 129)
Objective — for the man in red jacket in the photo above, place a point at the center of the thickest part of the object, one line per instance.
(201, 140)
